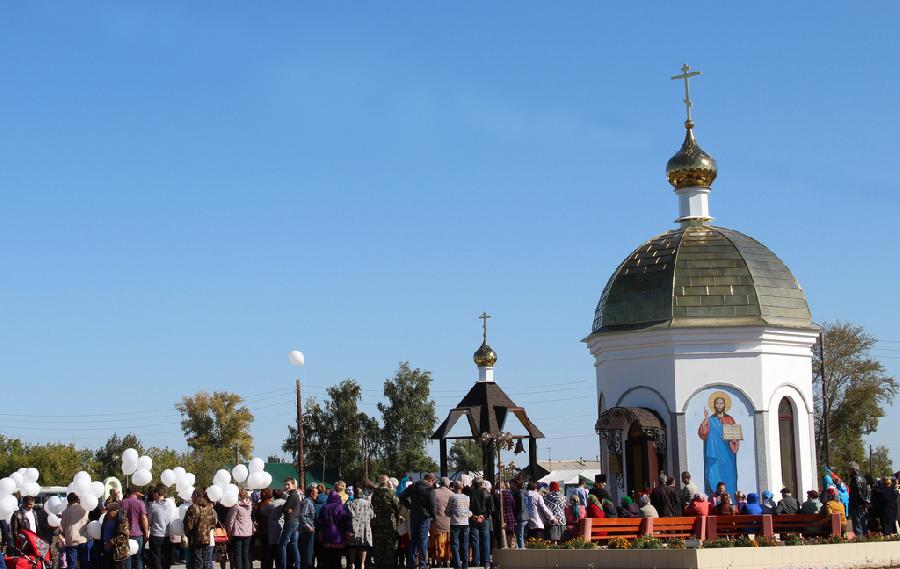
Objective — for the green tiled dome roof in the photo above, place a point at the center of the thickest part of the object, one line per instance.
(701, 276)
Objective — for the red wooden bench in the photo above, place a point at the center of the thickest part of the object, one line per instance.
(604, 529)
(684, 528)
(808, 524)
(733, 526)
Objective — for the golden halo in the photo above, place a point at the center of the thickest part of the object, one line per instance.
(715, 395)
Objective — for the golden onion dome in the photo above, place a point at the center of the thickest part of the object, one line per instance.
(691, 166)
(485, 356)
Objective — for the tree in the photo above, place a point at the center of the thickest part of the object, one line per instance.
(335, 431)
(858, 389)
(57, 462)
(109, 457)
(408, 417)
(465, 455)
(218, 420)
(881, 463)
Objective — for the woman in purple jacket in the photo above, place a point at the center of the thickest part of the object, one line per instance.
(333, 527)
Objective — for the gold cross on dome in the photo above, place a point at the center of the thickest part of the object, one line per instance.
(686, 74)
(484, 317)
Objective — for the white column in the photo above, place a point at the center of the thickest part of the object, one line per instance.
(486, 374)
(693, 204)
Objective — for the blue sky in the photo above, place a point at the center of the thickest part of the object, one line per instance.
(190, 190)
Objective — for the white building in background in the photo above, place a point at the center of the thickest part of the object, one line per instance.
(702, 342)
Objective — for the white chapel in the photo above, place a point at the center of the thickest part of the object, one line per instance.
(702, 342)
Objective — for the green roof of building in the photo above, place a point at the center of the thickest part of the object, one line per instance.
(701, 276)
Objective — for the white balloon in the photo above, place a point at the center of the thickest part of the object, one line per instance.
(18, 478)
(130, 455)
(31, 474)
(232, 490)
(7, 486)
(182, 509)
(8, 505)
(179, 471)
(93, 529)
(82, 488)
(82, 478)
(214, 493)
(186, 493)
(257, 481)
(31, 489)
(171, 508)
(53, 520)
(90, 502)
(132, 547)
(54, 505)
(142, 477)
(190, 478)
(222, 478)
(145, 463)
(167, 477)
(239, 473)
(296, 358)
(97, 489)
(256, 465)
(228, 501)
(176, 528)
(268, 480)
(129, 468)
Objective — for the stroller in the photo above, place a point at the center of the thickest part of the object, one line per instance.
(31, 552)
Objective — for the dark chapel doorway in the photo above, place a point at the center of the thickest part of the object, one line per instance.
(635, 439)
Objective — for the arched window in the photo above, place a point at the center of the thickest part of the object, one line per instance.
(788, 448)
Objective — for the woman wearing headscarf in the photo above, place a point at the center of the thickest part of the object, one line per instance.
(768, 502)
(698, 506)
(115, 536)
(386, 510)
(812, 505)
(609, 509)
(885, 506)
(752, 507)
(556, 503)
(833, 505)
(594, 507)
(333, 527)
(361, 515)
(725, 507)
(648, 510)
(628, 509)
(575, 512)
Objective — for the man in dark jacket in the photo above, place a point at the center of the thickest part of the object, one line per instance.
(599, 488)
(482, 507)
(26, 517)
(860, 498)
(420, 500)
(520, 509)
(788, 504)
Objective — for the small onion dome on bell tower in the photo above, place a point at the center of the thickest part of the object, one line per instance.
(485, 357)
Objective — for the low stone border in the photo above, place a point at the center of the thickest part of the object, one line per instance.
(836, 556)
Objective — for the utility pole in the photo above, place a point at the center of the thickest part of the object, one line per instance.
(871, 462)
(827, 434)
(365, 442)
(301, 461)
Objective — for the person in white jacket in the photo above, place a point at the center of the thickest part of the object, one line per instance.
(537, 512)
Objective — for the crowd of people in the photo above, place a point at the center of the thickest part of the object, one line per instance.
(401, 523)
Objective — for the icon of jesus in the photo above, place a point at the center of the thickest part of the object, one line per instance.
(719, 454)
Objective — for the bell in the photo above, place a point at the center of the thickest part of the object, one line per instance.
(520, 448)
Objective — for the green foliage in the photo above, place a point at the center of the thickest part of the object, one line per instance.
(745, 541)
(858, 387)
(466, 455)
(647, 542)
(204, 462)
(337, 433)
(675, 543)
(217, 420)
(408, 417)
(718, 543)
(57, 462)
(765, 541)
(881, 462)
